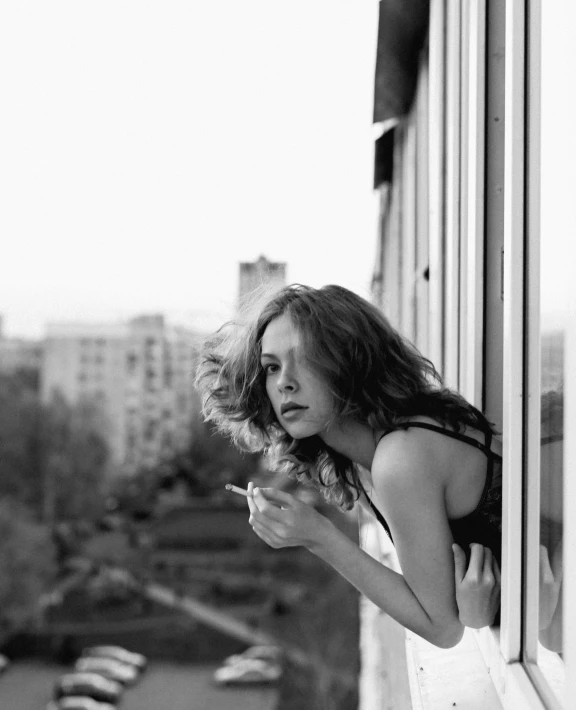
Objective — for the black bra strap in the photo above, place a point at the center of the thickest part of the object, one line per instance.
(485, 448)
(377, 513)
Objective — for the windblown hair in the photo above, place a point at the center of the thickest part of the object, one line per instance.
(375, 375)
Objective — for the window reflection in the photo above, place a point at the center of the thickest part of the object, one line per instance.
(553, 174)
(551, 490)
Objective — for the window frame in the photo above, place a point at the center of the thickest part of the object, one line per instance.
(467, 75)
(472, 185)
(533, 343)
(534, 83)
(520, 679)
(513, 353)
(451, 266)
(408, 239)
(422, 215)
(436, 192)
(392, 245)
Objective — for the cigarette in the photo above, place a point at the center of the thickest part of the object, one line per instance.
(236, 489)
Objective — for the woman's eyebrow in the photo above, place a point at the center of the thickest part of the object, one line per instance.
(290, 351)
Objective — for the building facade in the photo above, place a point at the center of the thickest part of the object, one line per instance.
(475, 175)
(139, 373)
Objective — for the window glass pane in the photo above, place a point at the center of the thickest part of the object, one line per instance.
(557, 259)
(551, 490)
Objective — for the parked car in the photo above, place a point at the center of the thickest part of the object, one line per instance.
(78, 702)
(92, 685)
(124, 673)
(118, 653)
(250, 671)
(261, 653)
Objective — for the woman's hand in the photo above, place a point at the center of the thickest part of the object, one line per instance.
(478, 587)
(282, 520)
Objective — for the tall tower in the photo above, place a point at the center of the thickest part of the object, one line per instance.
(256, 273)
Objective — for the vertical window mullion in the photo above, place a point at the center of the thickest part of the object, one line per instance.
(392, 241)
(436, 146)
(473, 199)
(513, 356)
(452, 217)
(422, 220)
(531, 561)
(400, 237)
(409, 228)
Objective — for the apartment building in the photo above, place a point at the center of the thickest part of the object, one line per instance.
(140, 373)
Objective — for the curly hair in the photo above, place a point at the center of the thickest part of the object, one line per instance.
(375, 375)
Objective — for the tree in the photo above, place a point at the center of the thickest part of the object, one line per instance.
(20, 430)
(52, 458)
(27, 564)
(74, 461)
(212, 460)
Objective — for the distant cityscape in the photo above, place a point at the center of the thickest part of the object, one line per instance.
(138, 373)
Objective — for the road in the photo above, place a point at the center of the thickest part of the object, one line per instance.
(27, 685)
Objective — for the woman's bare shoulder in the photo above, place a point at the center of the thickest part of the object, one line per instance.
(409, 456)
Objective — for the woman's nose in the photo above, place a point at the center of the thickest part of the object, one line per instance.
(287, 382)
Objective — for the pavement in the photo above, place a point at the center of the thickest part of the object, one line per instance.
(27, 685)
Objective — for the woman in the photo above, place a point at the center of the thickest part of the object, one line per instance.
(321, 382)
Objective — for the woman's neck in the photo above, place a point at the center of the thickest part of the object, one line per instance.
(354, 440)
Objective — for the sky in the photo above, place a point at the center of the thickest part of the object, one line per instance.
(147, 147)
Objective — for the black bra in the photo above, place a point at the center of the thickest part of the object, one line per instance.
(485, 448)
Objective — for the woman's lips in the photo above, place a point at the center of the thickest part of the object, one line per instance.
(293, 412)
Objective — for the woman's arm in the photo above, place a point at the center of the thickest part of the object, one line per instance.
(282, 520)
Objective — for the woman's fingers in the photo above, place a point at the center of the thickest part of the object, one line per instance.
(476, 564)
(251, 504)
(459, 562)
(261, 525)
(266, 505)
(262, 513)
(267, 502)
(488, 573)
(279, 498)
(286, 520)
(265, 534)
(496, 569)
(482, 564)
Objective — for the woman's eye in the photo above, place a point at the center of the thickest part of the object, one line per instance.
(270, 368)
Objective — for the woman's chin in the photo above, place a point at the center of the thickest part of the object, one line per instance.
(299, 431)
(298, 434)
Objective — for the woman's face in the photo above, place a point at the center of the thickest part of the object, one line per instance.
(301, 399)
